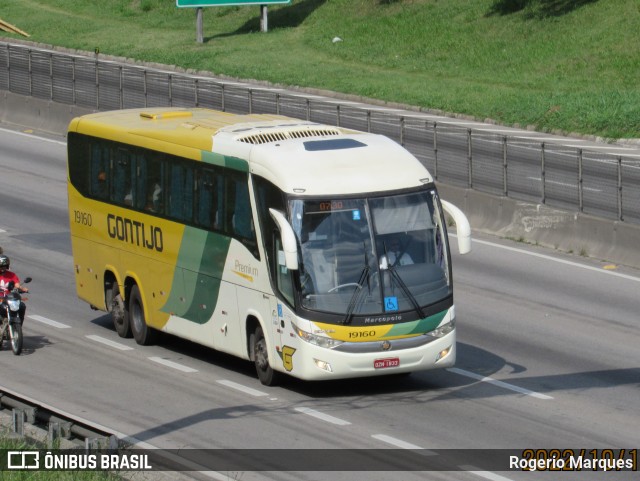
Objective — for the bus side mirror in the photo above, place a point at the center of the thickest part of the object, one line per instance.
(288, 238)
(463, 229)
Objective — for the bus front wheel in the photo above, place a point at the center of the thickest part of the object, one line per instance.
(143, 334)
(266, 374)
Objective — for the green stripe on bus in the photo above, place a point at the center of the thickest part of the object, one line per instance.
(225, 161)
(417, 327)
(198, 274)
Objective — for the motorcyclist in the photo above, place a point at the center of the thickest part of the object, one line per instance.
(6, 276)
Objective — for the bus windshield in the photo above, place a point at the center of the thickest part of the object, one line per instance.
(372, 255)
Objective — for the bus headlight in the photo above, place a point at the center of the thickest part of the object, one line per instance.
(316, 340)
(443, 330)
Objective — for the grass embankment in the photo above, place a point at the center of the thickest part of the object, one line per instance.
(567, 65)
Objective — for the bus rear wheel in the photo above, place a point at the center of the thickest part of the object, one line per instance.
(266, 374)
(142, 333)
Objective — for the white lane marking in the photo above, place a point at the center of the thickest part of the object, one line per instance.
(399, 443)
(172, 364)
(240, 387)
(564, 184)
(109, 343)
(323, 416)
(484, 474)
(49, 322)
(561, 261)
(32, 135)
(495, 382)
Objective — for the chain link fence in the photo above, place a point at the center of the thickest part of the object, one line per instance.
(523, 168)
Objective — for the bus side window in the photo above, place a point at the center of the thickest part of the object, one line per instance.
(181, 189)
(242, 214)
(241, 220)
(100, 170)
(122, 181)
(150, 185)
(206, 210)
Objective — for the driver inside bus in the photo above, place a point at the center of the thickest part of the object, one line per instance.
(395, 254)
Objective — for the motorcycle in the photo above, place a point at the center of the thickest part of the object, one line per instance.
(11, 325)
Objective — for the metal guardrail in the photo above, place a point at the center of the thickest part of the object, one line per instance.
(57, 425)
(516, 166)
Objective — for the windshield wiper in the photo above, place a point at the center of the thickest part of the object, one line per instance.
(406, 290)
(364, 276)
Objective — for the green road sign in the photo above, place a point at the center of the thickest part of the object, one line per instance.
(215, 3)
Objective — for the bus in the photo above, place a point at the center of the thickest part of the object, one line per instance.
(310, 250)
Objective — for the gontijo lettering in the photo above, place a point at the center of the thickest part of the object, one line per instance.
(134, 232)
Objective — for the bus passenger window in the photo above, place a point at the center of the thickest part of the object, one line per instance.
(241, 220)
(99, 171)
(181, 193)
(123, 174)
(206, 213)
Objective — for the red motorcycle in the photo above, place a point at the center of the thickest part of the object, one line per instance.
(11, 325)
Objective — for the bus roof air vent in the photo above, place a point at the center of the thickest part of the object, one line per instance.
(265, 136)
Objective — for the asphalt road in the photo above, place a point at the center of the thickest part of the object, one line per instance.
(548, 357)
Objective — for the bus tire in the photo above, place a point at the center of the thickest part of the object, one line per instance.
(265, 372)
(142, 333)
(119, 315)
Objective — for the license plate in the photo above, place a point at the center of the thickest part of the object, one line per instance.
(389, 362)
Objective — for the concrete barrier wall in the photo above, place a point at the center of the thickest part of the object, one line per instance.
(37, 114)
(579, 234)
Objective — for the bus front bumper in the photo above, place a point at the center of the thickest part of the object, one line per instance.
(317, 363)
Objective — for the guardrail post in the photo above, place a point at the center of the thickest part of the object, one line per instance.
(580, 186)
(543, 186)
(73, 80)
(223, 98)
(402, 131)
(505, 180)
(369, 121)
(196, 97)
(51, 76)
(620, 216)
(277, 103)
(18, 421)
(308, 109)
(338, 115)
(144, 88)
(97, 83)
(469, 159)
(121, 87)
(53, 435)
(170, 82)
(9, 67)
(435, 150)
(250, 99)
(30, 72)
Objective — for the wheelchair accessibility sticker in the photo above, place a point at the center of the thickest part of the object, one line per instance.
(390, 303)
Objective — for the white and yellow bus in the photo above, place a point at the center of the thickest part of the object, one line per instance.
(311, 250)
